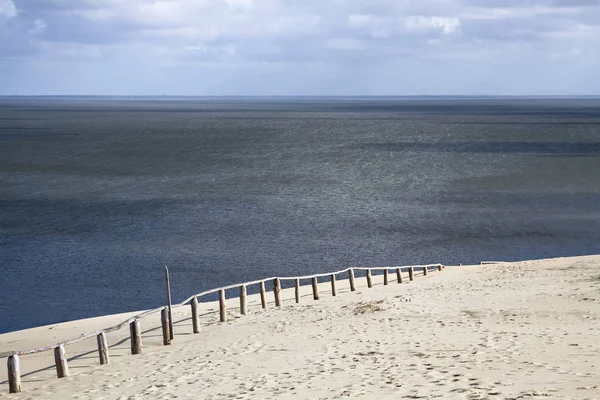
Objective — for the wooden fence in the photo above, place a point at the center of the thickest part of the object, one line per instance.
(60, 355)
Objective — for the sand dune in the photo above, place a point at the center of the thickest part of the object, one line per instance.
(508, 331)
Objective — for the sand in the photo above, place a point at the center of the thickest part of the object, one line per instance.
(523, 330)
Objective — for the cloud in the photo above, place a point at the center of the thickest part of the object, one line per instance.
(447, 25)
(38, 27)
(187, 21)
(7, 9)
(364, 39)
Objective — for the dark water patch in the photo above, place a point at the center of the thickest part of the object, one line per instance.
(77, 217)
(514, 107)
(554, 123)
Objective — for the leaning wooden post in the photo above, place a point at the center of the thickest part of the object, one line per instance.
(195, 321)
(425, 270)
(136, 337)
(440, 267)
(315, 287)
(103, 348)
(411, 273)
(169, 302)
(277, 292)
(399, 275)
(333, 289)
(263, 295)
(369, 279)
(222, 310)
(351, 279)
(297, 290)
(164, 322)
(14, 374)
(385, 276)
(60, 359)
(243, 305)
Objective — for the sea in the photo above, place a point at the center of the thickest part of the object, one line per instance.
(98, 194)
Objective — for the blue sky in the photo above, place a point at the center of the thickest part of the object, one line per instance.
(299, 47)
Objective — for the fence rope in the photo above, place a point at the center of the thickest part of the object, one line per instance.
(189, 299)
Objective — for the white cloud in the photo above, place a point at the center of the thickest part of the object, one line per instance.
(8, 9)
(487, 13)
(38, 26)
(447, 25)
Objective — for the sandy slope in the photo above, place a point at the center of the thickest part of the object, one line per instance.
(523, 330)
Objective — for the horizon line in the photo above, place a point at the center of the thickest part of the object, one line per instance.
(241, 96)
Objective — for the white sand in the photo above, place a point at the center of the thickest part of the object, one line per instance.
(510, 331)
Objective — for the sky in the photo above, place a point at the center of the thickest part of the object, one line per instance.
(299, 47)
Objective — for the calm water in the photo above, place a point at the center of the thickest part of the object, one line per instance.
(96, 195)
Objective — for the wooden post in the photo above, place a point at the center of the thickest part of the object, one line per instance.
(164, 321)
(351, 279)
(425, 271)
(263, 295)
(222, 310)
(60, 359)
(171, 333)
(297, 290)
(14, 374)
(369, 279)
(195, 321)
(315, 287)
(103, 349)
(440, 267)
(136, 337)
(399, 275)
(277, 292)
(333, 289)
(385, 276)
(243, 305)
(411, 273)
